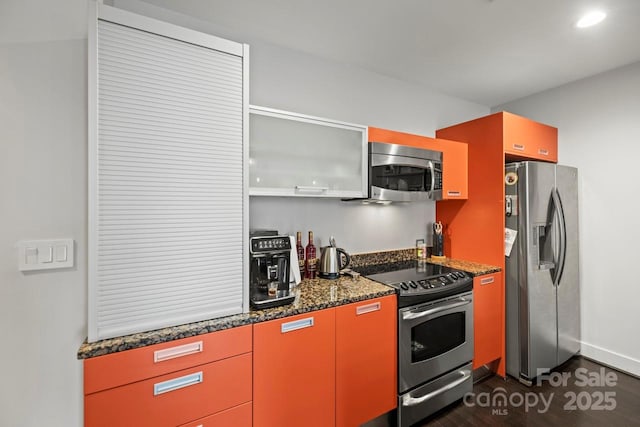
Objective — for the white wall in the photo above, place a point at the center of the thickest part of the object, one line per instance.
(599, 132)
(43, 176)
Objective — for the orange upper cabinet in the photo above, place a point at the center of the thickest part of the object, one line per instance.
(455, 176)
(524, 138)
(454, 158)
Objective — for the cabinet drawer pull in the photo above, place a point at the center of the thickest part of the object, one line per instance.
(296, 324)
(487, 280)
(453, 193)
(364, 309)
(518, 147)
(543, 152)
(177, 383)
(177, 351)
(309, 189)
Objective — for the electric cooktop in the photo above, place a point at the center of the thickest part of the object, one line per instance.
(419, 281)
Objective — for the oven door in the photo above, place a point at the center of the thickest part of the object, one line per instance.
(434, 338)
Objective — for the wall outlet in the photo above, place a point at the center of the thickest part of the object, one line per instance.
(45, 254)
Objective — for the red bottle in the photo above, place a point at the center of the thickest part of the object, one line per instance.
(311, 260)
(300, 249)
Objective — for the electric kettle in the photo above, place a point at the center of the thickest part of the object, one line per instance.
(331, 260)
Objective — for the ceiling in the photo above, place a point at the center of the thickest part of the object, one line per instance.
(484, 51)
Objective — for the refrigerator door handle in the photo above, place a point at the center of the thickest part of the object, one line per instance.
(557, 202)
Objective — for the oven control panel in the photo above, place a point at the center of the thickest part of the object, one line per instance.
(431, 282)
(431, 288)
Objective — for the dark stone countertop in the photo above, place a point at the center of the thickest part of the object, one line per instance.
(311, 295)
(473, 268)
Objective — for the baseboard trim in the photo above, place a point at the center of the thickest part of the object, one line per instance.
(610, 358)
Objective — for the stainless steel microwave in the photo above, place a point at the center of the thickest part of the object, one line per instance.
(399, 173)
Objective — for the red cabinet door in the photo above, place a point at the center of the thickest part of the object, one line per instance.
(366, 360)
(527, 139)
(175, 398)
(454, 169)
(294, 371)
(116, 369)
(488, 315)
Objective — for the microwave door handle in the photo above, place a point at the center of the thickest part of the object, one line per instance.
(416, 315)
(432, 169)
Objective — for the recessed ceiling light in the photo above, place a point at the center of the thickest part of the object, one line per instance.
(591, 18)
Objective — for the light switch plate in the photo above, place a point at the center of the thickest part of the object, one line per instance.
(45, 254)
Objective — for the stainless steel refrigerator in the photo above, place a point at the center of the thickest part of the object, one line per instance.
(542, 277)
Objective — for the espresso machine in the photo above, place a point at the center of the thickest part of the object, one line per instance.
(270, 265)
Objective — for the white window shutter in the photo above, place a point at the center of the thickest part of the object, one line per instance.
(168, 205)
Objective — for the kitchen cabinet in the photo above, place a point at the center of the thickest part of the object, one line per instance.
(474, 230)
(366, 360)
(294, 370)
(488, 326)
(454, 158)
(172, 383)
(525, 139)
(291, 154)
(454, 172)
(168, 203)
(336, 366)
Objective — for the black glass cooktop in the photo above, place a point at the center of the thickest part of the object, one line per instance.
(422, 269)
(419, 281)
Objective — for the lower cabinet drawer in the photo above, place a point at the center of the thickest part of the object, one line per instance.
(117, 369)
(173, 399)
(239, 416)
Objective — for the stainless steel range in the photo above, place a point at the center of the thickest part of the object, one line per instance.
(435, 335)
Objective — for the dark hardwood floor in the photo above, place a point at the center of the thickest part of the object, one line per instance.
(611, 399)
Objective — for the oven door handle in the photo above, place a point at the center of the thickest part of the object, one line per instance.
(408, 315)
(409, 400)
